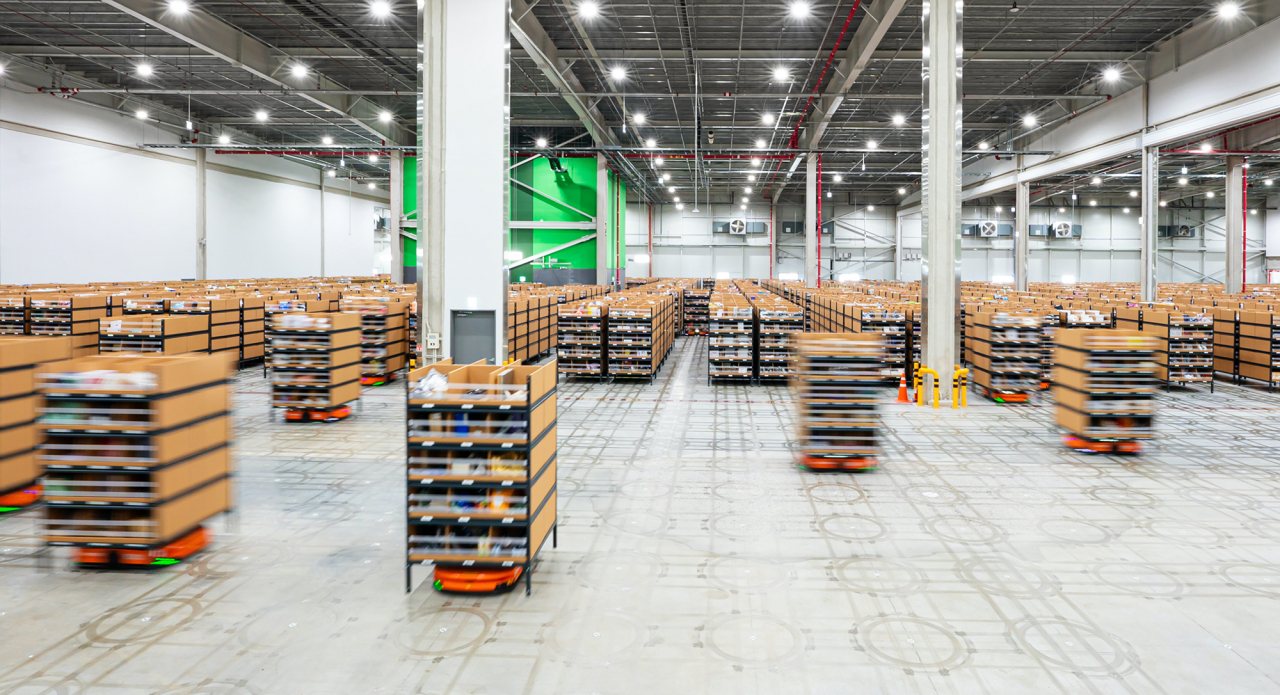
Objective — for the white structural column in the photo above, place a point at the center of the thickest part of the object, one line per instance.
(1021, 233)
(462, 165)
(1149, 223)
(397, 214)
(1235, 224)
(940, 205)
(602, 221)
(323, 173)
(811, 230)
(202, 217)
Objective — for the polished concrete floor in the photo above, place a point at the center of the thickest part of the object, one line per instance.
(694, 558)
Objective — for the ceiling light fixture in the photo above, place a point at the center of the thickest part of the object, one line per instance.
(144, 70)
(781, 74)
(327, 140)
(1206, 147)
(1268, 182)
(540, 143)
(767, 119)
(141, 114)
(179, 6)
(872, 144)
(1062, 209)
(799, 10)
(1111, 74)
(1182, 181)
(1015, 9)
(828, 194)
(650, 143)
(618, 73)
(638, 118)
(1228, 10)
(679, 206)
(261, 115)
(984, 146)
(380, 9)
(899, 119)
(747, 190)
(751, 177)
(744, 199)
(385, 117)
(299, 70)
(1125, 211)
(871, 208)
(1184, 170)
(760, 144)
(1133, 194)
(657, 161)
(755, 162)
(1097, 181)
(837, 178)
(671, 189)
(902, 191)
(1029, 120)
(372, 186)
(373, 159)
(666, 177)
(676, 198)
(333, 173)
(588, 10)
(744, 207)
(1164, 203)
(1209, 194)
(1093, 203)
(224, 139)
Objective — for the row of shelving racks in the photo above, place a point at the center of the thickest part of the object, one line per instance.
(731, 338)
(252, 328)
(136, 455)
(382, 336)
(414, 351)
(777, 322)
(131, 305)
(160, 334)
(1104, 387)
(893, 324)
(1260, 347)
(13, 315)
(638, 335)
(1005, 354)
(1185, 354)
(67, 314)
(696, 306)
(315, 364)
(20, 356)
(837, 389)
(480, 472)
(223, 317)
(1226, 341)
(580, 352)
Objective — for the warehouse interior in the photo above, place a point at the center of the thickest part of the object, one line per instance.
(604, 346)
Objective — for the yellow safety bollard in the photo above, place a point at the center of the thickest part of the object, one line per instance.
(918, 378)
(960, 388)
(936, 379)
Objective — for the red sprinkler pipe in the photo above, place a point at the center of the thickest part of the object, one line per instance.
(795, 134)
(1244, 225)
(820, 218)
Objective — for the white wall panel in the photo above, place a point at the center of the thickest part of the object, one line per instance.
(262, 229)
(348, 235)
(72, 212)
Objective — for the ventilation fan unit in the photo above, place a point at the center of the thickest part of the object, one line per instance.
(738, 227)
(986, 230)
(1176, 230)
(1064, 230)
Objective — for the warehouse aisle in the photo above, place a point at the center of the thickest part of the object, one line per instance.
(694, 558)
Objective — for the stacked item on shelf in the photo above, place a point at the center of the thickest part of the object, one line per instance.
(1185, 355)
(696, 305)
(1260, 347)
(252, 327)
(892, 323)
(776, 321)
(581, 339)
(136, 455)
(1005, 356)
(223, 315)
(20, 356)
(1049, 324)
(66, 314)
(837, 375)
(1104, 385)
(382, 336)
(481, 472)
(285, 304)
(13, 315)
(315, 364)
(531, 325)
(161, 334)
(731, 326)
(639, 334)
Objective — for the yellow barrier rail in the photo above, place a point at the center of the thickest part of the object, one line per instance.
(936, 392)
(960, 388)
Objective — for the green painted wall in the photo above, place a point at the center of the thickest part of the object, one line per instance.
(575, 187)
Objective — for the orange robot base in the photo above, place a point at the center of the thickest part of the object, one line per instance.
(476, 581)
(1102, 447)
(330, 415)
(170, 554)
(20, 498)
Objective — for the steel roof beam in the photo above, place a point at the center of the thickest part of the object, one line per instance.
(528, 32)
(257, 58)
